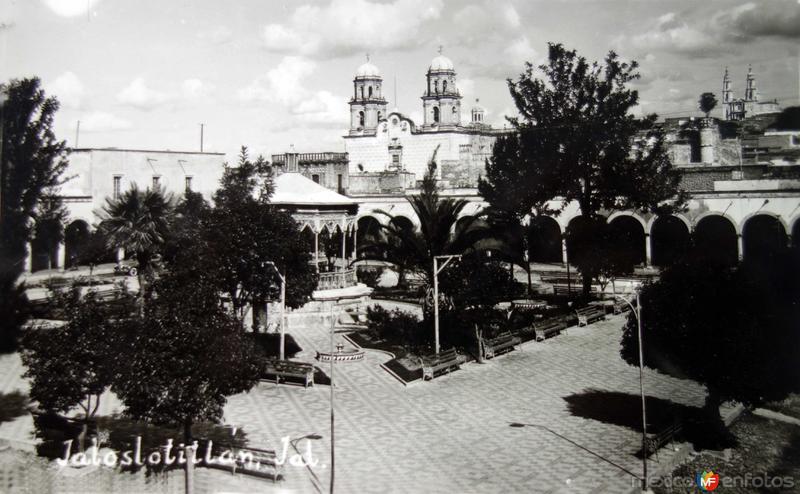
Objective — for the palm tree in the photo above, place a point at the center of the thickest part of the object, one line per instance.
(138, 221)
(413, 249)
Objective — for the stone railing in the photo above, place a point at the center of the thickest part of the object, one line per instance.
(338, 279)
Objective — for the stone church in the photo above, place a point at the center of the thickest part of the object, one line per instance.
(380, 140)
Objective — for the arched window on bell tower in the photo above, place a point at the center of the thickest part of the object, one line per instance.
(362, 92)
(436, 114)
(444, 87)
(436, 87)
(361, 119)
(370, 92)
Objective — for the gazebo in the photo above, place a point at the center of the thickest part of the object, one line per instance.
(319, 209)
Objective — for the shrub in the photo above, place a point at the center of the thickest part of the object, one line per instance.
(398, 327)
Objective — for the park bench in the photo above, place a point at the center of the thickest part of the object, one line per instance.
(654, 442)
(504, 342)
(283, 369)
(433, 365)
(250, 461)
(589, 314)
(547, 329)
(621, 306)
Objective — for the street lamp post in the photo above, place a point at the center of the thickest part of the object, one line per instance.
(333, 450)
(283, 307)
(436, 271)
(637, 311)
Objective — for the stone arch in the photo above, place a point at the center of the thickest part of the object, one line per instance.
(716, 239)
(402, 221)
(627, 236)
(670, 239)
(613, 216)
(736, 226)
(76, 239)
(369, 231)
(544, 240)
(684, 219)
(763, 237)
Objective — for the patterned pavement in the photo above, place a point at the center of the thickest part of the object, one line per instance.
(451, 434)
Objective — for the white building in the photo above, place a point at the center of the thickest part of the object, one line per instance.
(378, 140)
(96, 174)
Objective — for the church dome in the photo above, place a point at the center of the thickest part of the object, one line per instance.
(441, 63)
(368, 70)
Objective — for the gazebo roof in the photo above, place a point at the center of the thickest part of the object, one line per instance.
(293, 189)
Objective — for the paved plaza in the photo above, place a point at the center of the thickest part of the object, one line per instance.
(451, 434)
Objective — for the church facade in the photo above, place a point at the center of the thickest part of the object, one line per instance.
(379, 140)
(749, 106)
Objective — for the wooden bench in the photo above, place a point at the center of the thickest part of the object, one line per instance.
(282, 369)
(433, 365)
(590, 314)
(621, 306)
(654, 442)
(548, 329)
(250, 461)
(504, 342)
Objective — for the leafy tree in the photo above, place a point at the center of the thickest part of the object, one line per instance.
(33, 161)
(138, 221)
(72, 365)
(94, 251)
(732, 330)
(579, 142)
(472, 315)
(506, 187)
(596, 247)
(415, 248)
(185, 356)
(707, 103)
(245, 232)
(788, 119)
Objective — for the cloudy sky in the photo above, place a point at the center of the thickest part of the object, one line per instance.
(145, 73)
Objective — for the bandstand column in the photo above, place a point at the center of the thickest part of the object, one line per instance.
(316, 250)
(564, 257)
(29, 257)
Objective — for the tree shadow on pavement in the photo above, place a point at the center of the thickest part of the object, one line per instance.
(625, 410)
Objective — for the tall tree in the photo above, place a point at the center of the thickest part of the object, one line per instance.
(72, 365)
(506, 187)
(185, 356)
(49, 224)
(732, 330)
(31, 163)
(245, 232)
(138, 221)
(707, 103)
(578, 141)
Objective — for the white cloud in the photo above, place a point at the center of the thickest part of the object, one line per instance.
(346, 27)
(138, 95)
(68, 89)
(323, 108)
(283, 84)
(480, 22)
(196, 89)
(70, 8)
(103, 122)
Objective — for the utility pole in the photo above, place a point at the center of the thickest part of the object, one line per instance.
(77, 133)
(202, 125)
